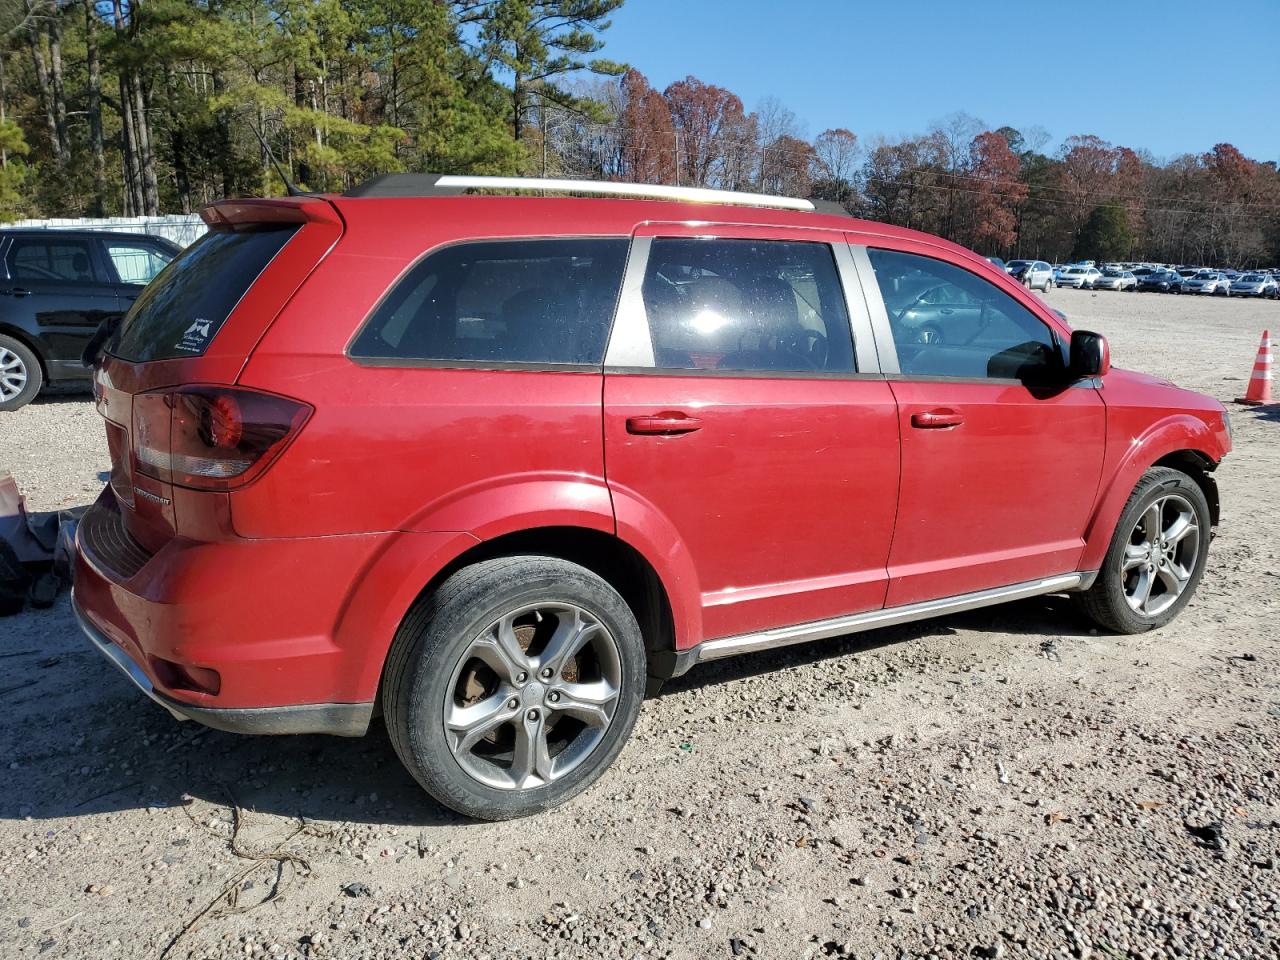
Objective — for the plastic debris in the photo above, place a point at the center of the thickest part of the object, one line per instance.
(35, 551)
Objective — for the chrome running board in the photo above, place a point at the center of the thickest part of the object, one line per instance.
(887, 617)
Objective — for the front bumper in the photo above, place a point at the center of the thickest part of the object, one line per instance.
(337, 719)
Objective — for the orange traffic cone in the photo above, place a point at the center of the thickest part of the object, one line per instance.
(1259, 391)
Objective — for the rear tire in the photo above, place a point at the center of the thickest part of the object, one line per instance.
(20, 374)
(1166, 504)
(495, 702)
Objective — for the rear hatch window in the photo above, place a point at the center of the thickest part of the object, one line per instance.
(180, 311)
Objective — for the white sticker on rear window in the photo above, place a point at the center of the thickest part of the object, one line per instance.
(195, 337)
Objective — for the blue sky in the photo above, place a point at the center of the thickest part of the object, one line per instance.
(1172, 77)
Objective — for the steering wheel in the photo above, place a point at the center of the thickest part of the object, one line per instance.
(810, 346)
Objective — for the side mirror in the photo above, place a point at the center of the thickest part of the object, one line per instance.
(1090, 355)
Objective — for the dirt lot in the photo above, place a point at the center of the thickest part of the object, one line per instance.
(1006, 782)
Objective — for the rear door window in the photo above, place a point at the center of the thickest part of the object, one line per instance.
(180, 312)
(136, 263)
(547, 302)
(53, 260)
(746, 305)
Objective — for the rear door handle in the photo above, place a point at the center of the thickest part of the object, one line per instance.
(936, 419)
(663, 425)
(16, 292)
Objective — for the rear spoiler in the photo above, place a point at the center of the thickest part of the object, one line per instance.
(230, 214)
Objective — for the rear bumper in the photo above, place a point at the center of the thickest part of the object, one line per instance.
(338, 719)
(243, 635)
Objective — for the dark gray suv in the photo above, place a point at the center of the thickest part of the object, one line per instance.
(57, 288)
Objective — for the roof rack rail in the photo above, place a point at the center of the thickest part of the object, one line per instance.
(440, 185)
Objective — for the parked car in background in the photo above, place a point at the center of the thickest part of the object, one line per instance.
(58, 288)
(1253, 285)
(1078, 276)
(1209, 281)
(512, 578)
(1158, 281)
(997, 262)
(1115, 280)
(1035, 274)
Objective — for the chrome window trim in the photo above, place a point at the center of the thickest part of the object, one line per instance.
(630, 349)
(630, 343)
(866, 352)
(742, 374)
(886, 349)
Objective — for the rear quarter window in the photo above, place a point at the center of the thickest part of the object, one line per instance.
(180, 312)
(499, 302)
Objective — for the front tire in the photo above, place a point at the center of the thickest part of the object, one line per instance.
(20, 374)
(514, 685)
(1156, 558)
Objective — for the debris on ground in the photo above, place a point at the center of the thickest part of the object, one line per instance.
(35, 551)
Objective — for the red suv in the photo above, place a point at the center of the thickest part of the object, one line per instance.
(490, 466)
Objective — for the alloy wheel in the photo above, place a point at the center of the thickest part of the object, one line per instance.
(532, 696)
(1161, 555)
(13, 374)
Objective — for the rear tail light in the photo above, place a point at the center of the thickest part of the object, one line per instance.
(212, 438)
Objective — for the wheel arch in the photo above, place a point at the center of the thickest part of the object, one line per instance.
(612, 559)
(415, 564)
(1199, 466)
(1182, 442)
(30, 342)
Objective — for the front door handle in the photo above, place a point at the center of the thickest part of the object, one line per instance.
(936, 419)
(663, 424)
(16, 292)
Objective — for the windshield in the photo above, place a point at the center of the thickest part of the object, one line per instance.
(1251, 278)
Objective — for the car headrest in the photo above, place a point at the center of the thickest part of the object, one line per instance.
(773, 305)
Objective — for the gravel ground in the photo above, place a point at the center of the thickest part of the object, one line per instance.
(1005, 782)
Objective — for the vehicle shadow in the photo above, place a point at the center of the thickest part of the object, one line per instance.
(79, 739)
(75, 391)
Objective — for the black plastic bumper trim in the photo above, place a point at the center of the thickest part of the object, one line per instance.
(335, 719)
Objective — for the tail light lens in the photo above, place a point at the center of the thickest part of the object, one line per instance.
(212, 438)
